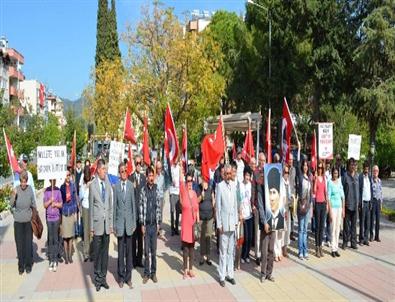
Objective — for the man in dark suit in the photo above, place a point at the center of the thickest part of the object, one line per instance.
(124, 225)
(138, 180)
(101, 222)
(365, 204)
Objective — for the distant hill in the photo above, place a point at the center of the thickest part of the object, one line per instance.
(76, 105)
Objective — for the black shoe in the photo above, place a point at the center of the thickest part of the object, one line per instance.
(177, 232)
(360, 242)
(70, 260)
(173, 233)
(371, 238)
(337, 254)
(258, 261)
(222, 283)
(230, 280)
(105, 285)
(28, 270)
(354, 246)
(86, 259)
(60, 260)
(366, 243)
(20, 271)
(377, 239)
(98, 287)
(270, 278)
(209, 262)
(201, 262)
(66, 260)
(344, 245)
(333, 254)
(262, 278)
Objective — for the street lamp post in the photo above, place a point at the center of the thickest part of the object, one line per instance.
(270, 40)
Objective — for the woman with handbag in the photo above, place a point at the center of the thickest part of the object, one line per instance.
(22, 202)
(190, 231)
(53, 204)
(69, 215)
(303, 208)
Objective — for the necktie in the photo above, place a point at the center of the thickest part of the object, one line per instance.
(123, 187)
(103, 192)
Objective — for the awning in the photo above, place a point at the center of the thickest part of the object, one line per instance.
(235, 122)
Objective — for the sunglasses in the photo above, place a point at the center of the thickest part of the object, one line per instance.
(286, 172)
(189, 180)
(122, 171)
(138, 163)
(320, 167)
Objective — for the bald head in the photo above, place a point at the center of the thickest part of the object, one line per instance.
(261, 159)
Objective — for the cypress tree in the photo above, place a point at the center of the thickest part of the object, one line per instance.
(102, 33)
(114, 49)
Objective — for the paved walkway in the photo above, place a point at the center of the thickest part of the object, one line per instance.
(367, 274)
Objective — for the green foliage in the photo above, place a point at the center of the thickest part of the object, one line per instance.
(345, 123)
(5, 194)
(385, 147)
(52, 133)
(77, 124)
(107, 47)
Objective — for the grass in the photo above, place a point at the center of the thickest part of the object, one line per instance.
(390, 213)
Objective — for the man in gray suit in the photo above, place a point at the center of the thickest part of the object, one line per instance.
(124, 225)
(227, 219)
(101, 222)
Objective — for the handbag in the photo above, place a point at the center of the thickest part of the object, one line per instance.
(37, 225)
(196, 225)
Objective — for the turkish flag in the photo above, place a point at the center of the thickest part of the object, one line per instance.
(130, 165)
(314, 152)
(184, 150)
(94, 167)
(286, 131)
(73, 151)
(146, 157)
(171, 140)
(11, 155)
(41, 95)
(128, 132)
(213, 146)
(248, 149)
(268, 139)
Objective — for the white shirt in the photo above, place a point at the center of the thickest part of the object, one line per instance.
(366, 196)
(240, 170)
(175, 176)
(245, 193)
(84, 195)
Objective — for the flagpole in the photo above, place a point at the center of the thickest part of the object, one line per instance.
(223, 137)
(124, 124)
(257, 136)
(6, 145)
(186, 151)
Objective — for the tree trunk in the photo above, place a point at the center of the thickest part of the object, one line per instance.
(373, 126)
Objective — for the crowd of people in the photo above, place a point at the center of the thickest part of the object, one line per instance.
(230, 207)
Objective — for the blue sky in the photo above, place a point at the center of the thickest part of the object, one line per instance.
(58, 37)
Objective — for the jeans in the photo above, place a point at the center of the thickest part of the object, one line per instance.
(24, 244)
(350, 227)
(319, 214)
(302, 235)
(327, 229)
(150, 241)
(248, 225)
(53, 240)
(364, 221)
(375, 219)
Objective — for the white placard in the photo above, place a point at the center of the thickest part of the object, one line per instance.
(117, 154)
(354, 146)
(51, 162)
(325, 140)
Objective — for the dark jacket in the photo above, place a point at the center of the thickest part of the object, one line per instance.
(351, 191)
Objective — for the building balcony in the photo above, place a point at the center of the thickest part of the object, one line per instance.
(16, 92)
(15, 73)
(15, 55)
